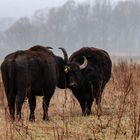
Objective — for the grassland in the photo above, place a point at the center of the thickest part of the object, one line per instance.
(119, 119)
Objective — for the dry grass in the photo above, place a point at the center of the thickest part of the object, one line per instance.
(119, 120)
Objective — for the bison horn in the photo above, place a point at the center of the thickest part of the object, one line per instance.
(85, 63)
(48, 47)
(65, 55)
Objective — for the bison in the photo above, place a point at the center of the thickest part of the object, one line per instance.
(30, 73)
(88, 69)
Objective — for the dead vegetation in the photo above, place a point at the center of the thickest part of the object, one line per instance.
(120, 117)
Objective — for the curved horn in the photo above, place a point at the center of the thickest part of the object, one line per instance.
(85, 63)
(48, 47)
(65, 55)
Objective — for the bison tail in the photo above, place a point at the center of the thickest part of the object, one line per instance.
(12, 72)
(8, 76)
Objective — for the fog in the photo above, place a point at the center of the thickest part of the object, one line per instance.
(72, 25)
(18, 8)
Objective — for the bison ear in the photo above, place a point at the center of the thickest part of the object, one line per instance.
(65, 55)
(85, 63)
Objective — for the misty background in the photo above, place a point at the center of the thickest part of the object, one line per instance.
(113, 27)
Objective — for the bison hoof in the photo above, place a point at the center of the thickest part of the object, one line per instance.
(32, 118)
(86, 113)
(12, 118)
(18, 117)
(46, 119)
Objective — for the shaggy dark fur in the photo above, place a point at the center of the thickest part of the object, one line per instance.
(87, 84)
(31, 73)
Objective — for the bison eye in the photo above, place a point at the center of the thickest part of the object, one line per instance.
(76, 69)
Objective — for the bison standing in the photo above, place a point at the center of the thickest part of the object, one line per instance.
(31, 73)
(88, 69)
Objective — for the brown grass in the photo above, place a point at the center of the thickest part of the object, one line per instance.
(120, 117)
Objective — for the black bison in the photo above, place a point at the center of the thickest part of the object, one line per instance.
(30, 73)
(88, 69)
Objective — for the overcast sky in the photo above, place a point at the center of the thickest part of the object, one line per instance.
(18, 8)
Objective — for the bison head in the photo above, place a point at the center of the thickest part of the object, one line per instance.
(76, 77)
(74, 70)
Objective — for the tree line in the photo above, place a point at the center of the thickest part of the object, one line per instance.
(114, 28)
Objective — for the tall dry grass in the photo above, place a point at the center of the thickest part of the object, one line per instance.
(120, 117)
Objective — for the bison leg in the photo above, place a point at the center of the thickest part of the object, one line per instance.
(98, 103)
(99, 96)
(19, 102)
(11, 105)
(89, 104)
(32, 104)
(46, 101)
(86, 107)
(84, 102)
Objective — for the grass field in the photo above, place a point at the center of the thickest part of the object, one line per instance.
(119, 119)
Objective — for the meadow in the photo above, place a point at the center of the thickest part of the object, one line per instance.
(118, 120)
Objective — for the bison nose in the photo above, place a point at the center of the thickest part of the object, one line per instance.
(73, 85)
